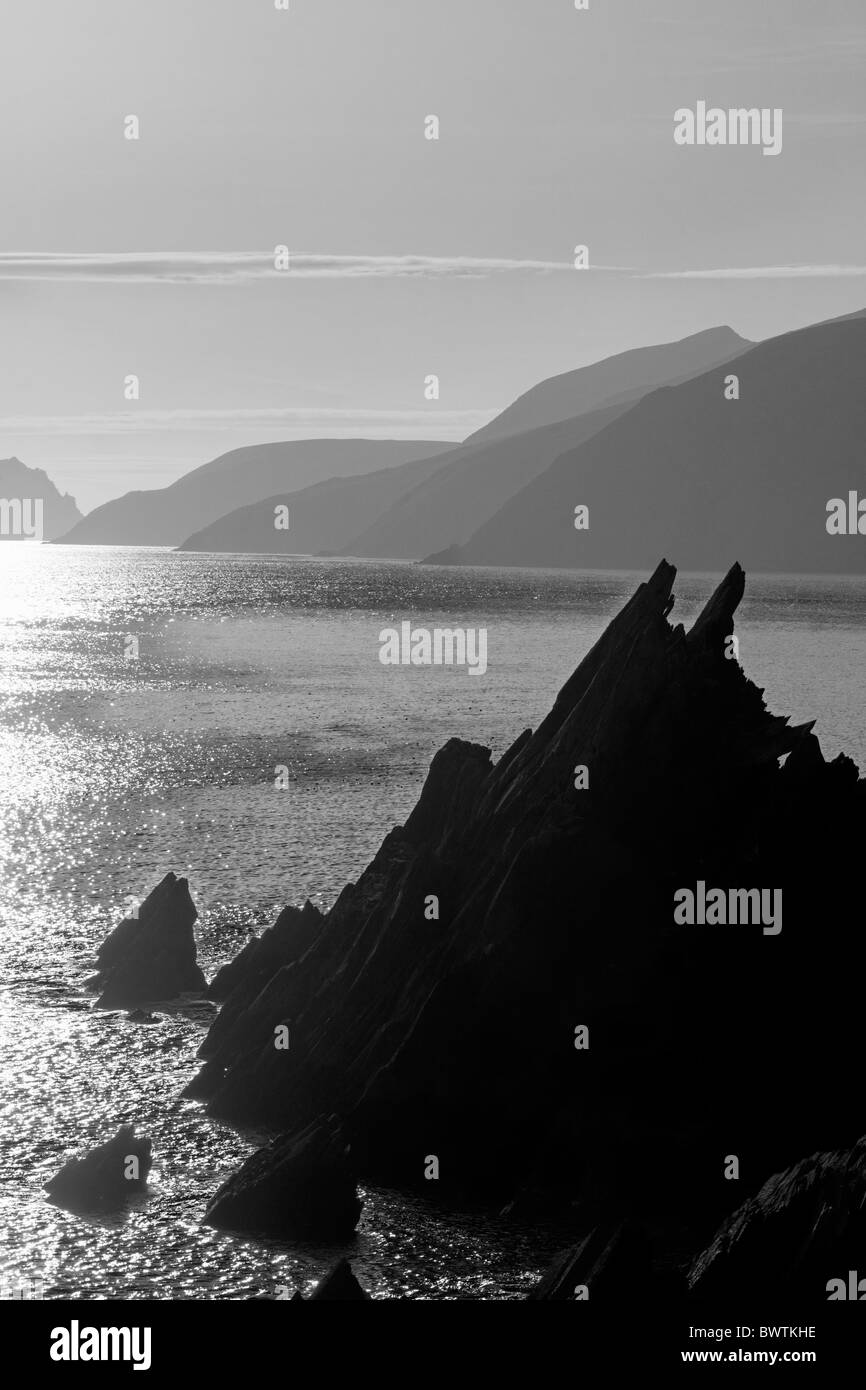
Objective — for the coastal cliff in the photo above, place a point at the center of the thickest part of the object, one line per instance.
(506, 1007)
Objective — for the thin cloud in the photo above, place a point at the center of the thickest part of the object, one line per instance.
(226, 268)
(234, 267)
(760, 272)
(347, 423)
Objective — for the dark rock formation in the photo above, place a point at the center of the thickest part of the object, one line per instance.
(454, 1034)
(151, 956)
(294, 930)
(806, 1227)
(244, 977)
(339, 1284)
(611, 1265)
(301, 1187)
(106, 1176)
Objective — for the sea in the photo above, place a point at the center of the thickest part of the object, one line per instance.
(147, 700)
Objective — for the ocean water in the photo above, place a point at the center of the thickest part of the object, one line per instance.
(115, 768)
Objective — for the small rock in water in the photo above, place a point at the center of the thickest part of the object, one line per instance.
(107, 1175)
(151, 956)
(340, 1284)
(300, 1186)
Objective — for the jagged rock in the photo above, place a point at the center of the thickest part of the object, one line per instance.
(608, 1265)
(805, 1227)
(339, 1284)
(242, 979)
(454, 1035)
(294, 930)
(151, 956)
(205, 1082)
(105, 1177)
(301, 1187)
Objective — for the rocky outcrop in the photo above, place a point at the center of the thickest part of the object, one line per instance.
(151, 956)
(800, 1241)
(294, 930)
(300, 1187)
(607, 1265)
(803, 1233)
(339, 1285)
(106, 1176)
(243, 978)
(506, 987)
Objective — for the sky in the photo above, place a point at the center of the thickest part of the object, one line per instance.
(408, 257)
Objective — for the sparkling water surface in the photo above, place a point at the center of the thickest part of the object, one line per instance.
(115, 769)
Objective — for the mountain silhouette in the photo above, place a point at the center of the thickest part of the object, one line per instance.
(22, 485)
(497, 461)
(612, 380)
(322, 517)
(686, 468)
(167, 515)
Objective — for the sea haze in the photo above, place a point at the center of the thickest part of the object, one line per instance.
(116, 770)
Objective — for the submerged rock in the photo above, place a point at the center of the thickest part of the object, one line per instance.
(300, 1187)
(107, 1175)
(151, 956)
(506, 988)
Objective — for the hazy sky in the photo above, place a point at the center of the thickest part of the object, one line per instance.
(260, 127)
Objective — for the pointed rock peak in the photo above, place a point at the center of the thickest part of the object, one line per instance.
(716, 620)
(170, 890)
(661, 581)
(151, 954)
(650, 600)
(455, 772)
(340, 1284)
